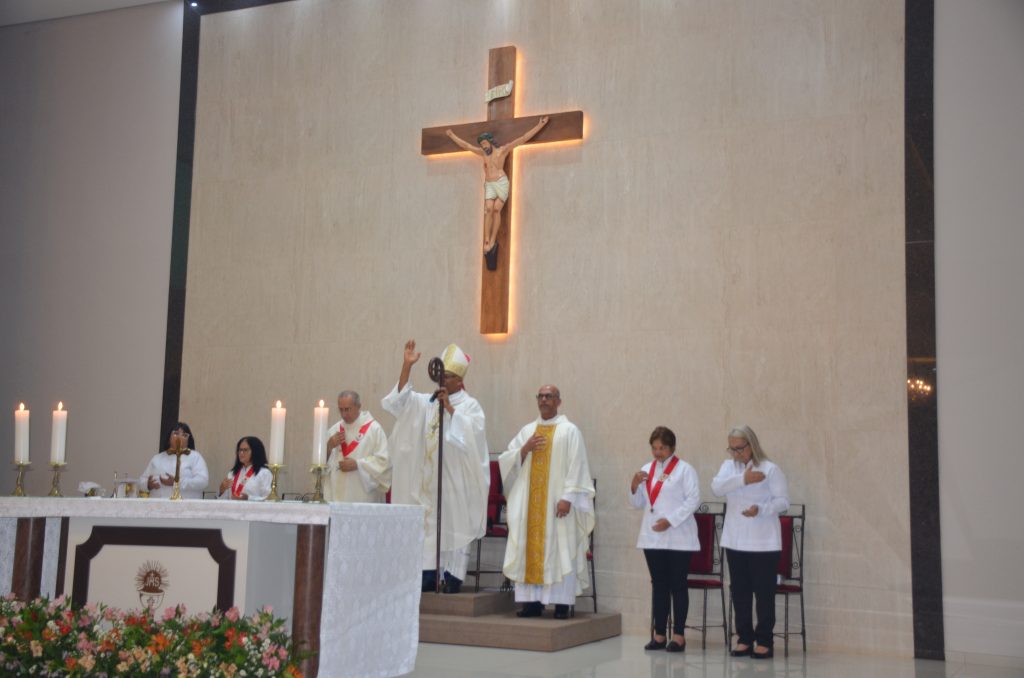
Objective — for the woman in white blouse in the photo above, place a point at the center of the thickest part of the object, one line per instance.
(669, 492)
(756, 493)
(181, 454)
(249, 478)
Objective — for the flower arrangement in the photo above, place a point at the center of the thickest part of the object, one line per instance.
(54, 638)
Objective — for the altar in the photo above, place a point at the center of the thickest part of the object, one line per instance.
(344, 575)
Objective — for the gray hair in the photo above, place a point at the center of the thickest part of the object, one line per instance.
(744, 432)
(350, 394)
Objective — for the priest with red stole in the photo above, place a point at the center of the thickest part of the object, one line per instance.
(358, 466)
(550, 495)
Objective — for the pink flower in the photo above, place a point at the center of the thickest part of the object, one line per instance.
(170, 613)
(271, 662)
(232, 614)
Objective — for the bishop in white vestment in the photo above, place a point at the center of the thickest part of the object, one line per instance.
(466, 464)
(358, 466)
(550, 507)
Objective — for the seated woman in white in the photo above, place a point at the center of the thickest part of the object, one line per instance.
(249, 478)
(193, 475)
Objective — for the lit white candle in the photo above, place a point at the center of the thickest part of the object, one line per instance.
(58, 435)
(320, 435)
(21, 435)
(277, 415)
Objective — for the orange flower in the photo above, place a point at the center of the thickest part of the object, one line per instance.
(70, 663)
(159, 643)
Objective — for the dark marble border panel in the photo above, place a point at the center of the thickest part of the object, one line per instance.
(922, 394)
(191, 21)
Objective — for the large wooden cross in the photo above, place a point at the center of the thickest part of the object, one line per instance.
(502, 123)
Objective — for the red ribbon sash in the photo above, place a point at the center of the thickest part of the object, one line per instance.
(236, 487)
(652, 493)
(349, 448)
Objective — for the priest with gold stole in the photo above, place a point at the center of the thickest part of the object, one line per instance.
(550, 495)
(358, 466)
(466, 463)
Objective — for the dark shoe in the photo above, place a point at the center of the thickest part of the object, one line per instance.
(675, 647)
(429, 581)
(763, 655)
(561, 612)
(452, 584)
(742, 652)
(530, 610)
(491, 257)
(655, 645)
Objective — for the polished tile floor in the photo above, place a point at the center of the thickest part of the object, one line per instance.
(624, 657)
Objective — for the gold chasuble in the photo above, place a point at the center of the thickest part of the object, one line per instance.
(537, 515)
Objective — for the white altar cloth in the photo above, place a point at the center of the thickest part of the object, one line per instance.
(371, 574)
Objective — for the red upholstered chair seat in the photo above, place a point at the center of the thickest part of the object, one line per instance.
(789, 588)
(704, 583)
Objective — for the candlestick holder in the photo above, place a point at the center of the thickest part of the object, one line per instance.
(318, 490)
(274, 468)
(19, 484)
(55, 485)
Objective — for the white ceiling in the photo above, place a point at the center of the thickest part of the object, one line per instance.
(25, 11)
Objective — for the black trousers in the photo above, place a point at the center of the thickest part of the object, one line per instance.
(753, 578)
(668, 583)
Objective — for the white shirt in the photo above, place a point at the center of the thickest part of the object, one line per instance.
(771, 496)
(678, 499)
(256, 487)
(192, 480)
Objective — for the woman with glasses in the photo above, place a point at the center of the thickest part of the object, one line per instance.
(755, 492)
(193, 475)
(249, 478)
(668, 490)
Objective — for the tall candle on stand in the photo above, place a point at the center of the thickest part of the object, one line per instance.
(59, 434)
(277, 415)
(21, 435)
(320, 435)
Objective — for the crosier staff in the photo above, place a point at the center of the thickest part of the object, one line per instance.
(435, 369)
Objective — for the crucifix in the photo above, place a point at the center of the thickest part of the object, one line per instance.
(501, 127)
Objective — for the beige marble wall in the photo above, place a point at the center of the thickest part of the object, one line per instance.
(724, 246)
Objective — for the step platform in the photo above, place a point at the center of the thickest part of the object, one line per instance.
(488, 619)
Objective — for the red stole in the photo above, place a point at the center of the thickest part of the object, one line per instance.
(349, 448)
(653, 492)
(236, 487)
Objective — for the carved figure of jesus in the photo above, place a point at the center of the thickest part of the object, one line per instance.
(496, 185)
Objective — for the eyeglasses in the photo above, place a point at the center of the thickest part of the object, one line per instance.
(737, 450)
(547, 396)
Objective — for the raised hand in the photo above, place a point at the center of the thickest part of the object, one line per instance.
(638, 477)
(536, 442)
(752, 511)
(411, 354)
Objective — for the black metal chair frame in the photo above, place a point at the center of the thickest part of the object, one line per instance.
(798, 512)
(794, 584)
(716, 509)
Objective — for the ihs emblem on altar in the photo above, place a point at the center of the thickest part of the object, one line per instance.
(150, 582)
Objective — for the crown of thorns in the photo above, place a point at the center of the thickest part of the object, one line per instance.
(485, 136)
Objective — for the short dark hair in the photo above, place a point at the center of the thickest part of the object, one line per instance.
(184, 427)
(665, 436)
